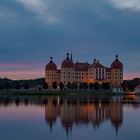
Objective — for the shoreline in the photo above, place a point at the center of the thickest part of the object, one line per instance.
(60, 93)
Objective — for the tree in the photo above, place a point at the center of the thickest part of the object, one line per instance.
(81, 86)
(17, 85)
(75, 86)
(91, 86)
(96, 86)
(54, 85)
(26, 86)
(69, 85)
(61, 85)
(45, 85)
(105, 86)
(85, 86)
(7, 85)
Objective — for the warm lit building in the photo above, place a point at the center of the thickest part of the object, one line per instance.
(67, 70)
(97, 72)
(52, 74)
(116, 72)
(81, 72)
(78, 72)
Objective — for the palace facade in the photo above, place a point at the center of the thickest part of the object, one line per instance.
(78, 72)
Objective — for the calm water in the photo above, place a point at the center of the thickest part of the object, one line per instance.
(74, 118)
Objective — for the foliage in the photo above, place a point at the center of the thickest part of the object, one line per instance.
(85, 86)
(54, 85)
(81, 86)
(45, 85)
(105, 86)
(96, 86)
(91, 85)
(61, 85)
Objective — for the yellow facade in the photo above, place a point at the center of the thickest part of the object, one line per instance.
(94, 73)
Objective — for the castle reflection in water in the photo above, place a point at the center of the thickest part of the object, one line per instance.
(84, 112)
(77, 110)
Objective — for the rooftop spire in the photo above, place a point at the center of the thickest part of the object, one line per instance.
(71, 57)
(117, 56)
(67, 55)
(94, 60)
(51, 59)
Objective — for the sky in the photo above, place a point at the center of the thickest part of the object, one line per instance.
(33, 30)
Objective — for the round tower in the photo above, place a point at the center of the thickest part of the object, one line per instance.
(67, 70)
(51, 73)
(116, 72)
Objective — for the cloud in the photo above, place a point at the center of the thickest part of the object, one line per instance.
(7, 14)
(126, 4)
(44, 9)
(17, 75)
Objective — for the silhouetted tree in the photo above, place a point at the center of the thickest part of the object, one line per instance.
(75, 86)
(17, 85)
(91, 85)
(105, 86)
(80, 86)
(61, 85)
(68, 85)
(54, 85)
(96, 86)
(26, 86)
(45, 85)
(85, 86)
(7, 86)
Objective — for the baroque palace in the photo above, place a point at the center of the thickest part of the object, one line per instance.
(78, 72)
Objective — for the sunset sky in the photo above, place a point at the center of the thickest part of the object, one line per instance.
(33, 30)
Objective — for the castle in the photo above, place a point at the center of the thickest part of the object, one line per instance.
(78, 72)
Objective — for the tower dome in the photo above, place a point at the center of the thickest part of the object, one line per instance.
(117, 64)
(51, 65)
(67, 63)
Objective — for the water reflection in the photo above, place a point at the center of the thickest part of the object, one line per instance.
(76, 111)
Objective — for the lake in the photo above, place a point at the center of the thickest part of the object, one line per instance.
(70, 117)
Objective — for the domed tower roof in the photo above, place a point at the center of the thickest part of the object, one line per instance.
(51, 65)
(67, 63)
(117, 64)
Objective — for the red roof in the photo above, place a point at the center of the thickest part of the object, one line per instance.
(117, 64)
(67, 63)
(81, 66)
(51, 65)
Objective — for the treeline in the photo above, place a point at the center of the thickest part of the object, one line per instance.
(41, 84)
(128, 85)
(81, 86)
(18, 84)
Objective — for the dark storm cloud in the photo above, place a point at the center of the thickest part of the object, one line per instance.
(32, 31)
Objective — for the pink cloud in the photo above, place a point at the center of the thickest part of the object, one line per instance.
(32, 71)
(131, 75)
(16, 75)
